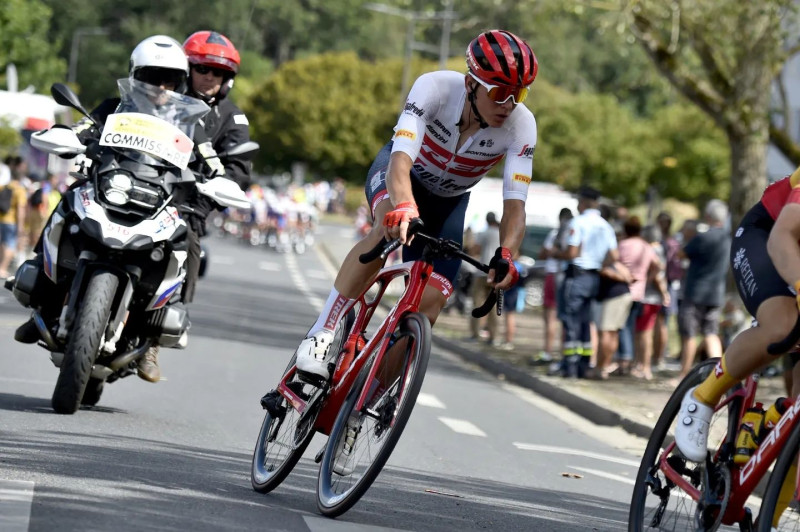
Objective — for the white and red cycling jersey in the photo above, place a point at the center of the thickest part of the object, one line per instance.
(427, 131)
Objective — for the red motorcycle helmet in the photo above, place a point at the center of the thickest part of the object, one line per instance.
(214, 50)
(499, 57)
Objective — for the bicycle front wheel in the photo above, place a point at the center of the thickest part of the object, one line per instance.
(283, 438)
(657, 503)
(778, 500)
(361, 442)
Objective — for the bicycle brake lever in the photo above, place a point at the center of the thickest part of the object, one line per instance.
(500, 296)
(484, 309)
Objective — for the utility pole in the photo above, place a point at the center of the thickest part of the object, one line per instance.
(412, 17)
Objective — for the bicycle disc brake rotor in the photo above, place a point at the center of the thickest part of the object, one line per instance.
(714, 498)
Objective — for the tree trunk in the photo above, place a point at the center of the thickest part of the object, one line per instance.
(748, 171)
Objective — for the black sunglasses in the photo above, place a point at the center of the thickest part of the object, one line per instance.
(203, 69)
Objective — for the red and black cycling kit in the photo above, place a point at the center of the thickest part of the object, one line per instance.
(756, 277)
(444, 168)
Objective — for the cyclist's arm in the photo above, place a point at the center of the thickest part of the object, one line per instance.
(398, 184)
(512, 231)
(782, 244)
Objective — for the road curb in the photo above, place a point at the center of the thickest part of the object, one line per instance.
(585, 408)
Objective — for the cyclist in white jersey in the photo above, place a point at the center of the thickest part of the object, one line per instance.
(454, 128)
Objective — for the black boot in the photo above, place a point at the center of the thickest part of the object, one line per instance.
(27, 333)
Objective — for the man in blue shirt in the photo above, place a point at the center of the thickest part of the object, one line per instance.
(591, 243)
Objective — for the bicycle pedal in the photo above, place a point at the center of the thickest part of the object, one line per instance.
(271, 402)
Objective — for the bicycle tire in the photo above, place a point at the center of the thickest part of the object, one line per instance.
(786, 458)
(265, 476)
(639, 518)
(331, 501)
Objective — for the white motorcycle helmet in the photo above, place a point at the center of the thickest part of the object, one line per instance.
(160, 60)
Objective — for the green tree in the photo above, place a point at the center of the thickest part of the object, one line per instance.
(723, 56)
(331, 111)
(24, 41)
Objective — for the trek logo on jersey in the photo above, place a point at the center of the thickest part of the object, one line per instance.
(526, 179)
(526, 151)
(411, 107)
(405, 133)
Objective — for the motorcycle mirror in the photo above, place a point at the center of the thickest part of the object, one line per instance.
(63, 95)
(245, 148)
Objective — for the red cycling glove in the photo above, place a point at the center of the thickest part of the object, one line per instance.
(403, 212)
(504, 254)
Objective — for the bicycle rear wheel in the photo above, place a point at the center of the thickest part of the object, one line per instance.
(790, 516)
(657, 503)
(284, 438)
(361, 442)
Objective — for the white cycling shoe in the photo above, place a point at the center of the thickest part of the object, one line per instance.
(691, 431)
(312, 355)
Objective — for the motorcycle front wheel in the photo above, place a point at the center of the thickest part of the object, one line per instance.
(84, 342)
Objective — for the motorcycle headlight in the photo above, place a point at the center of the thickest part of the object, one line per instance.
(120, 182)
(116, 188)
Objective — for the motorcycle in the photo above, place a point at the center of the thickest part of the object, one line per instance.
(106, 285)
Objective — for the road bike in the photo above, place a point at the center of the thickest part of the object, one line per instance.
(673, 493)
(374, 386)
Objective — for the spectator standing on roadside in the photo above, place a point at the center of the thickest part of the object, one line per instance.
(640, 258)
(13, 206)
(704, 285)
(655, 297)
(674, 273)
(486, 242)
(590, 243)
(554, 276)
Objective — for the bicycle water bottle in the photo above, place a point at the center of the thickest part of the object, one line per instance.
(748, 439)
(773, 414)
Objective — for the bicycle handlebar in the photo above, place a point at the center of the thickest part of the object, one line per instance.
(783, 346)
(443, 248)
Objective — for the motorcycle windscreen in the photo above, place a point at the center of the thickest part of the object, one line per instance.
(153, 126)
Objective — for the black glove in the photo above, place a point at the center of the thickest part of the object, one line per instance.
(201, 205)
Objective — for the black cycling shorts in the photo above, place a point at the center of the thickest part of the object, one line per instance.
(756, 278)
(443, 216)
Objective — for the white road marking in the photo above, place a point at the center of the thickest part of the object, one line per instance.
(463, 427)
(603, 474)
(16, 497)
(347, 233)
(223, 259)
(426, 399)
(299, 282)
(269, 266)
(574, 452)
(323, 524)
(317, 274)
(616, 437)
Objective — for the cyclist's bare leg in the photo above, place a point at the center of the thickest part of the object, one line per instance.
(748, 352)
(433, 301)
(354, 277)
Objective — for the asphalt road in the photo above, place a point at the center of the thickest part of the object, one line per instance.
(478, 454)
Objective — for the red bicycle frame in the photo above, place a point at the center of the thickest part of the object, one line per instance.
(746, 477)
(351, 359)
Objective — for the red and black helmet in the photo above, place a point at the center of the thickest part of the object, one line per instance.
(212, 49)
(499, 57)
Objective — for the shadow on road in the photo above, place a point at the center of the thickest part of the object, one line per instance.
(126, 483)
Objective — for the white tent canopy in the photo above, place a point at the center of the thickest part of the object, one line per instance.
(22, 110)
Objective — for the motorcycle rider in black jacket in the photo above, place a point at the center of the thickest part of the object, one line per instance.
(161, 62)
